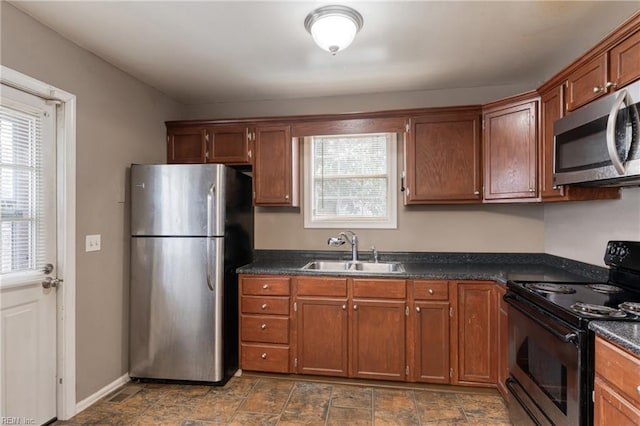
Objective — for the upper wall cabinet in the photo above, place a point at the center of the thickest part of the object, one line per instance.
(225, 144)
(510, 149)
(442, 158)
(598, 75)
(275, 166)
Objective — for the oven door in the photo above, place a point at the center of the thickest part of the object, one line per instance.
(545, 360)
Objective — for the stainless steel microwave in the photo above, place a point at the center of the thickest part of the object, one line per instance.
(598, 144)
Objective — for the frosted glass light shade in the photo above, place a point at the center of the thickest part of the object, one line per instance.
(333, 28)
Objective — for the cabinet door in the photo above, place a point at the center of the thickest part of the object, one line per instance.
(510, 146)
(431, 342)
(551, 109)
(228, 144)
(443, 159)
(503, 342)
(378, 339)
(586, 83)
(186, 145)
(276, 156)
(611, 408)
(625, 61)
(322, 336)
(477, 333)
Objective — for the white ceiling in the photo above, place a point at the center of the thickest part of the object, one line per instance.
(217, 51)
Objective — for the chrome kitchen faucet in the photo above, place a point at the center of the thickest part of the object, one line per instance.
(346, 237)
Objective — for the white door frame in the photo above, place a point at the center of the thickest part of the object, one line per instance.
(66, 229)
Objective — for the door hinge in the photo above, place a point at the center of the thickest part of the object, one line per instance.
(295, 306)
(407, 128)
(406, 370)
(593, 396)
(451, 373)
(60, 380)
(406, 310)
(451, 311)
(482, 124)
(295, 362)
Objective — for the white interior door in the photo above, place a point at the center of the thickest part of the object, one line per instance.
(27, 244)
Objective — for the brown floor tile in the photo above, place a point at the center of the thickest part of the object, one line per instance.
(217, 408)
(308, 401)
(441, 414)
(436, 398)
(349, 416)
(268, 396)
(254, 419)
(393, 400)
(351, 396)
(403, 418)
(236, 386)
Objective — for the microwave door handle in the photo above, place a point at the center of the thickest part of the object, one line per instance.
(611, 132)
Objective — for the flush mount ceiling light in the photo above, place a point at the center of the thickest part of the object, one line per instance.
(333, 28)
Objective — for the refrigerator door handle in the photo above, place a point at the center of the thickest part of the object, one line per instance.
(209, 239)
(218, 256)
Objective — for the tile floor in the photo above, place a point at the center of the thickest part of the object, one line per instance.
(266, 400)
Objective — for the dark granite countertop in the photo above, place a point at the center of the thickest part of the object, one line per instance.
(625, 334)
(498, 267)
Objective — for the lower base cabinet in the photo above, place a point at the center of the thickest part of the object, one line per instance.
(429, 331)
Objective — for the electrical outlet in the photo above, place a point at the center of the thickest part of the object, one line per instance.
(92, 243)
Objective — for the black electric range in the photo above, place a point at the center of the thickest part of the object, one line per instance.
(551, 349)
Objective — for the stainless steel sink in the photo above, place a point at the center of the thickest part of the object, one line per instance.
(355, 267)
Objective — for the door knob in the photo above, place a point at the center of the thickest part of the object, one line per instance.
(47, 268)
(51, 282)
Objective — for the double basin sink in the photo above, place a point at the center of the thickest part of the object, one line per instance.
(354, 266)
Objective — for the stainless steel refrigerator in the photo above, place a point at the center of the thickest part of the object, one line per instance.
(191, 227)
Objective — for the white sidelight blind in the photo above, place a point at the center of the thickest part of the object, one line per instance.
(351, 181)
(22, 246)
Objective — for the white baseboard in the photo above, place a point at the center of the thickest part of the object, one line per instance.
(92, 399)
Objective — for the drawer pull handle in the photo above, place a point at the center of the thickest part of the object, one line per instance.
(264, 355)
(431, 291)
(263, 326)
(263, 306)
(265, 286)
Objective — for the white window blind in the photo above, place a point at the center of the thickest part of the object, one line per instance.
(351, 181)
(22, 196)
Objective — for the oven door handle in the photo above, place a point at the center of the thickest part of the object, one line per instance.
(562, 333)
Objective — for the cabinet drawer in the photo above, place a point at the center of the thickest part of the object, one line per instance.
(265, 305)
(271, 358)
(266, 286)
(268, 329)
(618, 367)
(385, 289)
(431, 290)
(336, 287)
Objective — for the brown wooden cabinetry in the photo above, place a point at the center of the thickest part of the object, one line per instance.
(617, 385)
(321, 321)
(503, 341)
(229, 144)
(442, 158)
(510, 149)
(264, 323)
(186, 145)
(275, 166)
(475, 328)
(378, 329)
(430, 332)
(605, 72)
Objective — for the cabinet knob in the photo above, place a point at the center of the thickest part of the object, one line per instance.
(431, 291)
(263, 306)
(355, 307)
(264, 355)
(265, 286)
(611, 84)
(344, 307)
(598, 89)
(476, 192)
(263, 326)
(532, 190)
(638, 389)
(418, 309)
(286, 197)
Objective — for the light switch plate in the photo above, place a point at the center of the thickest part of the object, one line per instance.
(92, 243)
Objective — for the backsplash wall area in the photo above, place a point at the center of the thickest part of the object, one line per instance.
(581, 230)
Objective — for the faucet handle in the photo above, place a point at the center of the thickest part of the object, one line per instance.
(335, 241)
(375, 254)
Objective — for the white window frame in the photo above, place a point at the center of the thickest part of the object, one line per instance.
(389, 222)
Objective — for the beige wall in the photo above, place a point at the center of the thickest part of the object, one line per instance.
(119, 121)
(581, 230)
(355, 103)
